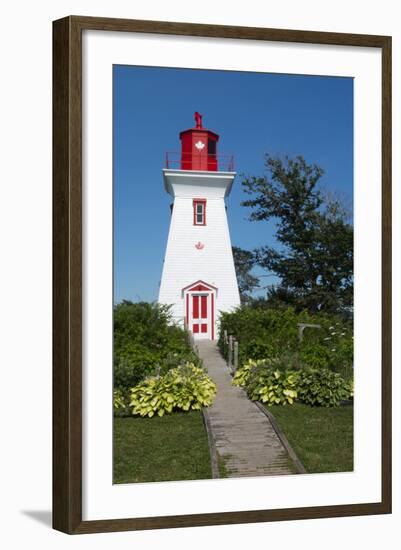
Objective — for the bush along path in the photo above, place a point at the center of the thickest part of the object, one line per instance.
(243, 436)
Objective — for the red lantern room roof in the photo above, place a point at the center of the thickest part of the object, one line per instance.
(199, 129)
(199, 149)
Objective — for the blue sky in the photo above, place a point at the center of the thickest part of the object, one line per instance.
(254, 113)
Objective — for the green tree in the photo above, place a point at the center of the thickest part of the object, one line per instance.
(314, 256)
(244, 261)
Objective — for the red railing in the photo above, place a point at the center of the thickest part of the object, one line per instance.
(199, 161)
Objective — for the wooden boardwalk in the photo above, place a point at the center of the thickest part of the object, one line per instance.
(243, 436)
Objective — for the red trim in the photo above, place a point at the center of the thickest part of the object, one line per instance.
(212, 319)
(200, 288)
(187, 312)
(195, 203)
(193, 286)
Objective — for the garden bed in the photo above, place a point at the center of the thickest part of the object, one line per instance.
(171, 448)
(321, 437)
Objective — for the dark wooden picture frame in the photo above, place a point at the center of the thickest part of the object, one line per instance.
(67, 274)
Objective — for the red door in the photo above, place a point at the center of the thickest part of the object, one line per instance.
(200, 314)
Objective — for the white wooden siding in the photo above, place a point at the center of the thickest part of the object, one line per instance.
(184, 264)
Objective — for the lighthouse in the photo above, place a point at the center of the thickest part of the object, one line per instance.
(198, 277)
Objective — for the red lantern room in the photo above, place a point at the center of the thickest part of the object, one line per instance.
(199, 148)
(199, 151)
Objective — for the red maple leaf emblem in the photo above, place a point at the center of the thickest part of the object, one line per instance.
(199, 245)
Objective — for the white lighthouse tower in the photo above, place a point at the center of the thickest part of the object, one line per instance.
(198, 278)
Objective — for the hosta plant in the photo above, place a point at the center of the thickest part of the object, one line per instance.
(185, 388)
(272, 386)
(120, 403)
(242, 374)
(322, 387)
(146, 343)
(349, 386)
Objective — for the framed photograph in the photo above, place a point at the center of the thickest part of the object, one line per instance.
(221, 274)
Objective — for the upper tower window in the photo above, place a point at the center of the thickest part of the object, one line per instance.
(211, 147)
(199, 211)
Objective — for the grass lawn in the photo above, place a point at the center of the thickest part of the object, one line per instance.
(321, 437)
(173, 447)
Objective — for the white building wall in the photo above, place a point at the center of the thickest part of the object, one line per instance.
(184, 264)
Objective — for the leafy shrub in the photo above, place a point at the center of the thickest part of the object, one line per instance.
(279, 381)
(173, 360)
(146, 343)
(315, 355)
(288, 360)
(322, 387)
(135, 364)
(265, 333)
(144, 323)
(182, 388)
(272, 386)
(261, 332)
(332, 349)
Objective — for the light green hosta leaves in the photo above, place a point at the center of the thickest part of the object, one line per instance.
(272, 386)
(118, 400)
(185, 388)
(243, 373)
(272, 382)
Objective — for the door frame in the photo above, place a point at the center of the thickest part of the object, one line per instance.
(200, 288)
(199, 320)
